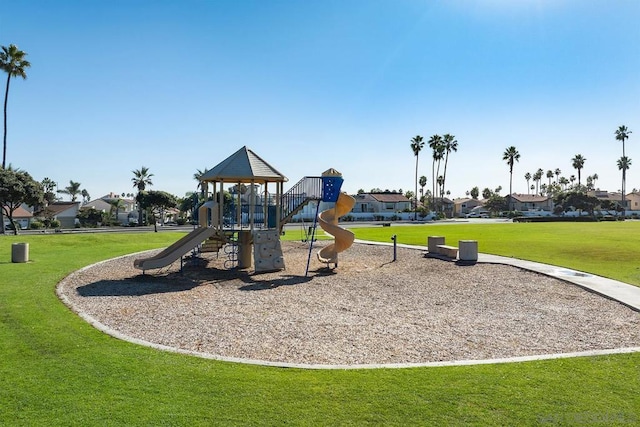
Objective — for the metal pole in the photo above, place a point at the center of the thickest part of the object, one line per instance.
(313, 234)
(394, 238)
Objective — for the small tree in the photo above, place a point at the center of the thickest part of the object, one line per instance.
(475, 192)
(16, 188)
(496, 203)
(157, 202)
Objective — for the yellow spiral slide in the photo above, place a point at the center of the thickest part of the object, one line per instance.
(342, 238)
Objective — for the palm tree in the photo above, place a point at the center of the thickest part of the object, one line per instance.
(564, 182)
(594, 178)
(85, 196)
(578, 163)
(13, 63)
(537, 177)
(141, 178)
(116, 205)
(550, 176)
(622, 134)
(435, 143)
(511, 156)
(423, 182)
(450, 144)
(201, 185)
(527, 176)
(440, 187)
(417, 144)
(557, 172)
(73, 190)
(623, 164)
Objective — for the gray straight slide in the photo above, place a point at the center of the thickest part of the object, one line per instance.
(176, 250)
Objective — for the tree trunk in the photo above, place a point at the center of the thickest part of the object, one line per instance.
(4, 139)
(415, 196)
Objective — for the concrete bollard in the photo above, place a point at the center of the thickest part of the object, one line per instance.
(19, 252)
(468, 250)
(433, 242)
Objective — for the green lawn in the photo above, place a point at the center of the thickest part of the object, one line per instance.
(57, 370)
(610, 249)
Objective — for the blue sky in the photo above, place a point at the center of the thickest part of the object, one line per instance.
(177, 86)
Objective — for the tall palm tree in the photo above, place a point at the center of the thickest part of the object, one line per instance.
(564, 182)
(141, 178)
(537, 177)
(13, 63)
(623, 164)
(622, 134)
(527, 176)
(557, 173)
(511, 156)
(417, 144)
(578, 163)
(450, 144)
(550, 176)
(73, 190)
(435, 143)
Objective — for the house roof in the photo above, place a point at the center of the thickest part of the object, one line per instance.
(243, 166)
(389, 197)
(57, 208)
(529, 198)
(97, 204)
(21, 212)
(605, 195)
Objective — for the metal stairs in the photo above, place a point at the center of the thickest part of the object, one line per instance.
(307, 189)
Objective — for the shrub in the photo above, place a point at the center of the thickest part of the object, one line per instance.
(36, 225)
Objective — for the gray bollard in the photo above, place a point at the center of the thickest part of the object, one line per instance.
(19, 252)
(395, 250)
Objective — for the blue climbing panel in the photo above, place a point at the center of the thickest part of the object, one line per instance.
(331, 188)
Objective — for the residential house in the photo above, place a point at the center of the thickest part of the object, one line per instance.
(530, 202)
(125, 212)
(633, 201)
(614, 198)
(21, 216)
(380, 203)
(65, 212)
(444, 205)
(463, 205)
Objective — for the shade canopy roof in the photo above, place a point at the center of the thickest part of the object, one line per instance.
(243, 166)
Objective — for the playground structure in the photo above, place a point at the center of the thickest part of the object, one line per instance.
(253, 222)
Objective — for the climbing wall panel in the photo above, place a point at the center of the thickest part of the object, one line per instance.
(267, 252)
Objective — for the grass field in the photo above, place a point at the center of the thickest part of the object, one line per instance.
(57, 370)
(609, 249)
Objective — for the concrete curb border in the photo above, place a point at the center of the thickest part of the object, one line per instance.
(626, 294)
